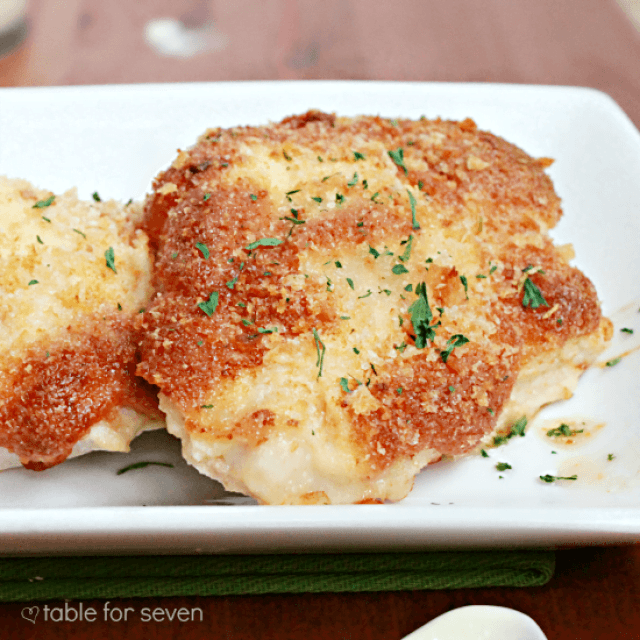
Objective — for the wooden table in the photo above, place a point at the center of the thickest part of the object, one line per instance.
(596, 591)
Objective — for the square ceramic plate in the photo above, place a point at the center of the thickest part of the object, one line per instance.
(114, 139)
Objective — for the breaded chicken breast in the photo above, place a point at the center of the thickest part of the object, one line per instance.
(73, 276)
(342, 301)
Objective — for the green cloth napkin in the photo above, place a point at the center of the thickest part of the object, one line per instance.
(26, 579)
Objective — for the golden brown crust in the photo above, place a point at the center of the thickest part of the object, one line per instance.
(358, 212)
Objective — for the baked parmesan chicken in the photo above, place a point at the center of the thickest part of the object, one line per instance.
(342, 301)
(73, 276)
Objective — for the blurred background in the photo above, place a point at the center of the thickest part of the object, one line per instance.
(593, 43)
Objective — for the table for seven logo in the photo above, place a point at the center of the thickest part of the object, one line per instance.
(70, 613)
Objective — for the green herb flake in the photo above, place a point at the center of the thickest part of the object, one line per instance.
(401, 348)
(366, 295)
(142, 465)
(272, 330)
(350, 283)
(626, 330)
(119, 307)
(374, 252)
(338, 264)
(200, 343)
(339, 198)
(407, 250)
(344, 384)
(491, 411)
(499, 440)
(559, 321)
(247, 323)
(532, 295)
(480, 275)
(549, 478)
(399, 269)
(253, 196)
(354, 181)
(454, 341)
(39, 239)
(452, 389)
(209, 307)
(493, 268)
(610, 456)
(356, 351)
(287, 157)
(41, 204)
(174, 255)
(483, 453)
(32, 282)
(317, 199)
(400, 320)
(204, 250)
(345, 317)
(232, 283)
(613, 363)
(264, 242)
(110, 259)
(465, 284)
(421, 317)
(420, 185)
(374, 196)
(46, 219)
(206, 406)
(398, 157)
(564, 430)
(320, 159)
(358, 156)
(206, 196)
(409, 288)
(399, 390)
(319, 346)
(96, 197)
(503, 466)
(412, 202)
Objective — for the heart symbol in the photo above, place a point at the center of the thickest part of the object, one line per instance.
(30, 614)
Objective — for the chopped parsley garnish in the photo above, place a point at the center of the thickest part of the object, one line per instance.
(317, 199)
(232, 283)
(344, 383)
(452, 389)
(358, 156)
(493, 268)
(32, 282)
(319, 346)
(366, 295)
(399, 390)
(465, 284)
(46, 219)
(613, 363)
(401, 348)
(420, 185)
(563, 430)
(247, 323)
(174, 255)
(399, 269)
(244, 306)
(407, 250)
(480, 275)
(338, 264)
(206, 406)
(412, 201)
(491, 411)
(503, 466)
(272, 330)
(206, 196)
(287, 157)
(39, 239)
(354, 181)
(483, 453)
(264, 242)
(626, 330)
(110, 259)
(320, 159)
(96, 197)
(294, 220)
(421, 317)
(517, 428)
(398, 157)
(532, 295)
(374, 196)
(253, 196)
(209, 307)
(345, 317)
(549, 478)
(339, 198)
(400, 320)
(559, 321)
(356, 351)
(365, 184)
(374, 252)
(203, 249)
(610, 456)
(454, 341)
(41, 204)
(119, 307)
(200, 343)
(142, 465)
(409, 288)
(350, 283)
(80, 233)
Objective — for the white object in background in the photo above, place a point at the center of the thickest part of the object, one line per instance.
(13, 26)
(479, 622)
(174, 39)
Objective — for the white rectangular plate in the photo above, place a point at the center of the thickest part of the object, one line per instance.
(114, 139)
